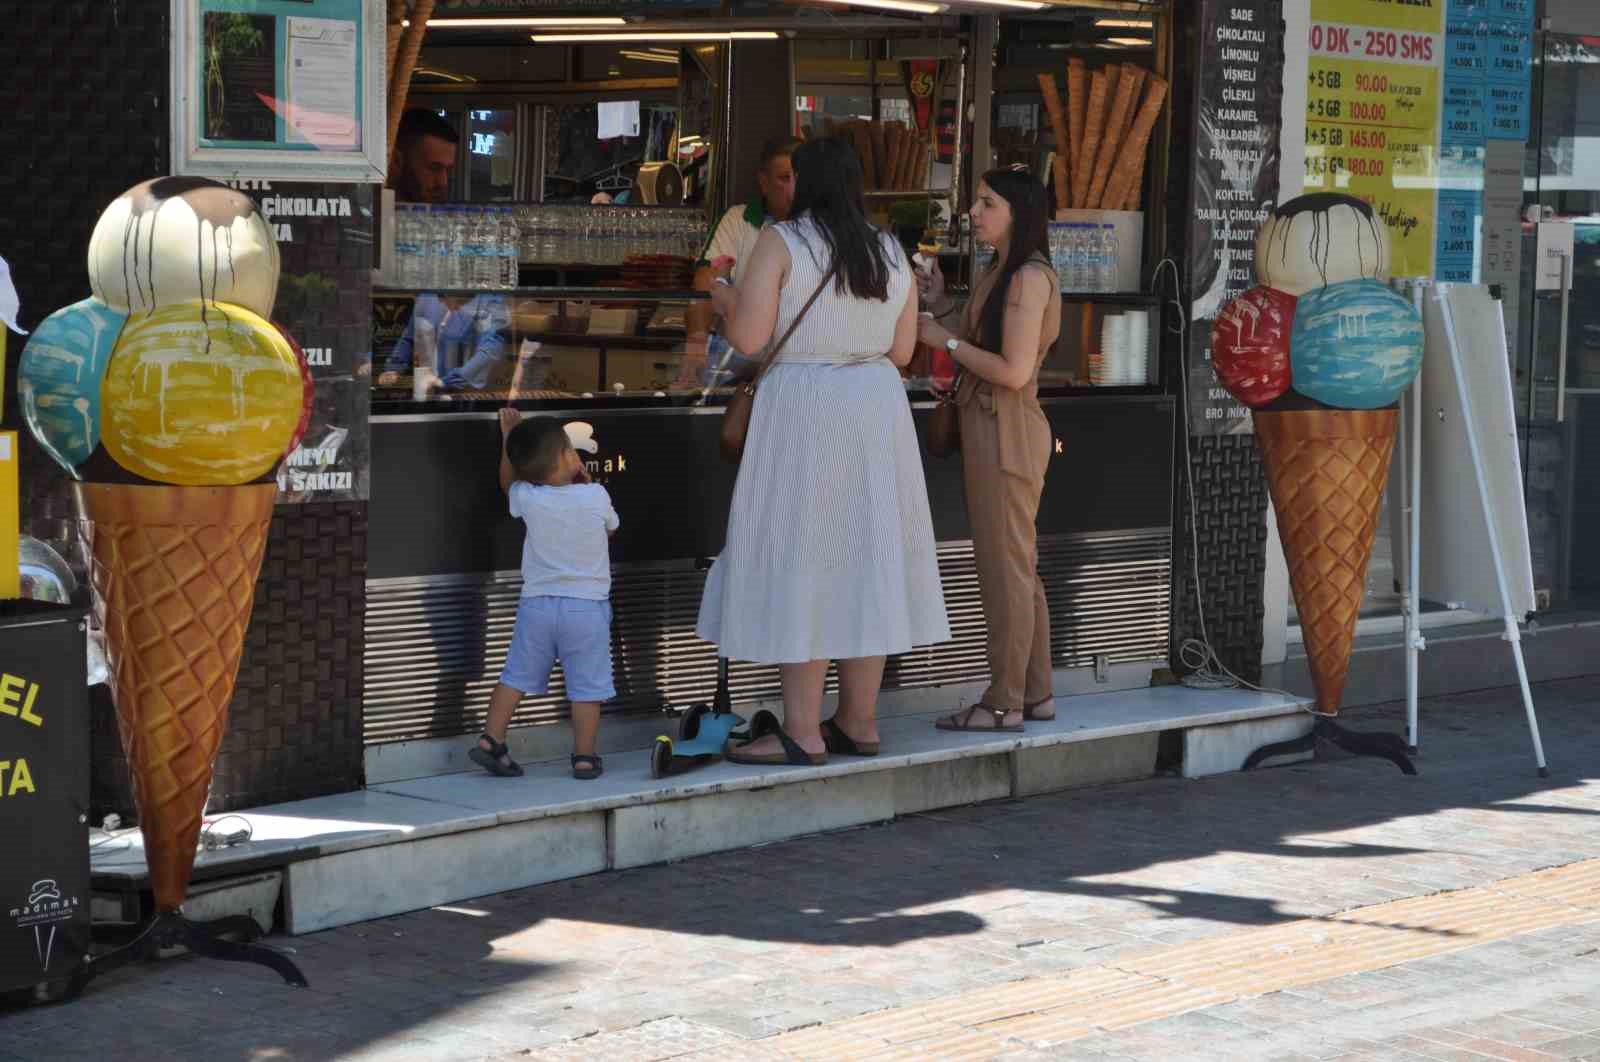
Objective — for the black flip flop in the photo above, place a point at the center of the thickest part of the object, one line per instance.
(489, 758)
(793, 755)
(588, 774)
(837, 741)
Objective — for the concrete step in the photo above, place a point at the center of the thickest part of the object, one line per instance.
(407, 845)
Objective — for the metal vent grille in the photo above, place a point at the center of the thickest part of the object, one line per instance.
(434, 648)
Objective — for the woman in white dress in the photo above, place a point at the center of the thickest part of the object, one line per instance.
(830, 551)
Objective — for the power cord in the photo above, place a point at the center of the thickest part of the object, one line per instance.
(1198, 655)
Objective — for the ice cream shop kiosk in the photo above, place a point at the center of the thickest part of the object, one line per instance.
(594, 165)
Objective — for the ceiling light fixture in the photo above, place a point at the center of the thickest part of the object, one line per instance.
(1124, 23)
(915, 7)
(603, 38)
(1020, 5)
(649, 57)
(575, 22)
(1131, 42)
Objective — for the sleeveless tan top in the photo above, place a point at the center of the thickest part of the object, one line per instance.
(1018, 418)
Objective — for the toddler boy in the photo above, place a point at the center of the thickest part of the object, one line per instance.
(565, 611)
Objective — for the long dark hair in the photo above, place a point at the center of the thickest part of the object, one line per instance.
(827, 187)
(1030, 238)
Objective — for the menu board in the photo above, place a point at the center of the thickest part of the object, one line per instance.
(324, 234)
(1488, 90)
(1372, 115)
(1238, 117)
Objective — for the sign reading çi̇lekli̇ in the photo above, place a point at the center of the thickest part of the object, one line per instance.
(290, 89)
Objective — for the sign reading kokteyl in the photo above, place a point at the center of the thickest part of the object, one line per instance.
(44, 795)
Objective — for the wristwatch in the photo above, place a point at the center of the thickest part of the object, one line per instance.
(951, 344)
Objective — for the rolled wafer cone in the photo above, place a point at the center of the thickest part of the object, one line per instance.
(174, 572)
(1094, 118)
(1326, 470)
(1077, 104)
(1129, 167)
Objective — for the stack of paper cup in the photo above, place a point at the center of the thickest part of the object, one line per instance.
(1138, 347)
(1114, 350)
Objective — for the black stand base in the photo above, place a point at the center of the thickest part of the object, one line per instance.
(170, 929)
(1391, 747)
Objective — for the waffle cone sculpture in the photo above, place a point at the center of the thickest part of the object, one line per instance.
(1321, 350)
(174, 572)
(172, 399)
(1326, 470)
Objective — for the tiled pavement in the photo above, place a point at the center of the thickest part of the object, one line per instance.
(754, 954)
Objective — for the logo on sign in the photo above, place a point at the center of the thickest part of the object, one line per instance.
(45, 910)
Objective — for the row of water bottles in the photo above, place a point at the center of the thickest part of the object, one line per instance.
(1085, 256)
(456, 246)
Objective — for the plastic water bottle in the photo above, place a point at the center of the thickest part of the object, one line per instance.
(482, 251)
(405, 247)
(1108, 258)
(510, 248)
(1073, 253)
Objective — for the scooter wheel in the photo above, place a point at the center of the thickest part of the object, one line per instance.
(661, 757)
(689, 723)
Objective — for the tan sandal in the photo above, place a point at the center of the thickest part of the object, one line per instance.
(962, 720)
(1030, 712)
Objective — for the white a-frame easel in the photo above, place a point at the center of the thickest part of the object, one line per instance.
(1465, 528)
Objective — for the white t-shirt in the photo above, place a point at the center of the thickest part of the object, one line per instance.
(736, 235)
(565, 552)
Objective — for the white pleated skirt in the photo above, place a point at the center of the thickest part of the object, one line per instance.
(830, 549)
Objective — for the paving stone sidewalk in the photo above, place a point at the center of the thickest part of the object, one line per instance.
(712, 956)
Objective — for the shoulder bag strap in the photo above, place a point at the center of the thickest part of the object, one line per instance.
(777, 347)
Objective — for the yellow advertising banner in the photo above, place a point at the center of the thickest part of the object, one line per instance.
(1372, 115)
(10, 563)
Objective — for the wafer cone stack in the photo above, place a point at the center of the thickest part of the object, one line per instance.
(174, 572)
(1326, 469)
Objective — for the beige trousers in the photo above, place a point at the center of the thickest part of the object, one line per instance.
(1003, 508)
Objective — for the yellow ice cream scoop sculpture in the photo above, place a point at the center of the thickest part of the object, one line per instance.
(172, 399)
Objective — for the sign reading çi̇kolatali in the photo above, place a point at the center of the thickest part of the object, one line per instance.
(1372, 114)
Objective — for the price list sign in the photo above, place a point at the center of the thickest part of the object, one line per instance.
(1238, 117)
(1372, 115)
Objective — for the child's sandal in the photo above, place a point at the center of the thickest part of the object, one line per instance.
(496, 759)
(591, 769)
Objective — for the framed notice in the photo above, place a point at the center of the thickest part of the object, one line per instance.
(279, 89)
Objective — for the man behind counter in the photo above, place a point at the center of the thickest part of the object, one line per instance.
(461, 339)
(424, 157)
(735, 237)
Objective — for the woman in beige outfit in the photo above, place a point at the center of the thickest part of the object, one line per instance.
(1008, 327)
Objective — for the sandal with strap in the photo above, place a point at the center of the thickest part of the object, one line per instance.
(837, 741)
(962, 720)
(589, 773)
(1030, 712)
(496, 759)
(793, 755)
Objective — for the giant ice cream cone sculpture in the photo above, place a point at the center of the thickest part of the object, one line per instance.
(1321, 351)
(172, 399)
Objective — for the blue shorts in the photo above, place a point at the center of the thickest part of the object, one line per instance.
(573, 630)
